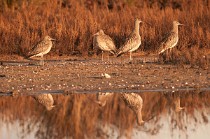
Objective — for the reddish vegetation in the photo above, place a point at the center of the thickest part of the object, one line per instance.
(73, 23)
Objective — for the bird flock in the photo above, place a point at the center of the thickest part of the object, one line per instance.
(105, 42)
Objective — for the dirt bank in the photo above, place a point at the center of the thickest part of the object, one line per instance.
(86, 74)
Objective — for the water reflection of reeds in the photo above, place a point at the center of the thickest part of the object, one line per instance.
(78, 116)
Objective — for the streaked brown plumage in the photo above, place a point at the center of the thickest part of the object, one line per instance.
(41, 48)
(46, 100)
(135, 103)
(133, 41)
(104, 42)
(171, 39)
(132, 100)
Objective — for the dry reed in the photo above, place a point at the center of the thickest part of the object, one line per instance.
(72, 23)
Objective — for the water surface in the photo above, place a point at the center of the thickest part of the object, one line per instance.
(78, 116)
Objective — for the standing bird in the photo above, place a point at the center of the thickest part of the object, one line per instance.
(46, 100)
(134, 102)
(171, 39)
(104, 42)
(41, 48)
(133, 42)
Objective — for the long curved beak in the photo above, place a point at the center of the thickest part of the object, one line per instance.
(53, 39)
(146, 23)
(95, 34)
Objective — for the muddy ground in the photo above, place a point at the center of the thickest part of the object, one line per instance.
(86, 74)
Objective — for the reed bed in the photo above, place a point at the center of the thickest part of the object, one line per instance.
(72, 24)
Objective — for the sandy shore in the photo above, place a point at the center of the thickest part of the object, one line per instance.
(87, 75)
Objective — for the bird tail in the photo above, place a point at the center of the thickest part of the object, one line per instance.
(160, 51)
(113, 52)
(119, 53)
(30, 56)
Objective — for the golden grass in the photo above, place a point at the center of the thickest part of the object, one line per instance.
(73, 23)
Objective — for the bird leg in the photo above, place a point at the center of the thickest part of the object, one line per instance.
(160, 58)
(102, 58)
(42, 60)
(167, 55)
(130, 56)
(170, 53)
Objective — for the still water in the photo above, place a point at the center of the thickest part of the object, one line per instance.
(175, 115)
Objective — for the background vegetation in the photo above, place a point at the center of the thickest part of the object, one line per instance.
(72, 23)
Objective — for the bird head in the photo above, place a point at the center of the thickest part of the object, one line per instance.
(100, 32)
(177, 23)
(138, 21)
(49, 38)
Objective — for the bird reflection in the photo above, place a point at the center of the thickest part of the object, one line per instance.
(176, 102)
(46, 100)
(132, 100)
(135, 103)
(174, 99)
(78, 117)
(101, 98)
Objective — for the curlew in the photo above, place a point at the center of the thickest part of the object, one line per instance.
(104, 42)
(41, 48)
(133, 42)
(171, 39)
(46, 100)
(135, 103)
(101, 98)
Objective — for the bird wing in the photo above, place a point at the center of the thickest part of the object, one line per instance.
(167, 42)
(105, 43)
(39, 47)
(101, 43)
(45, 99)
(109, 43)
(130, 42)
(134, 101)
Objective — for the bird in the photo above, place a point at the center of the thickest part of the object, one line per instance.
(41, 48)
(132, 42)
(46, 100)
(104, 42)
(135, 103)
(101, 98)
(171, 39)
